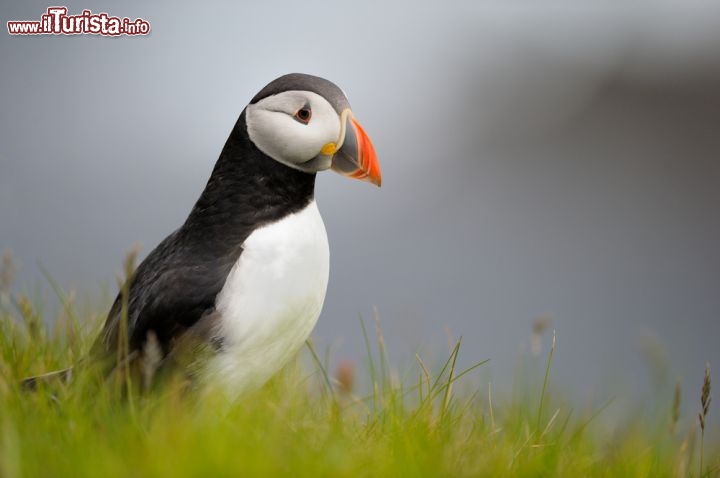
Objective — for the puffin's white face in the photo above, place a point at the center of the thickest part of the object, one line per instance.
(297, 128)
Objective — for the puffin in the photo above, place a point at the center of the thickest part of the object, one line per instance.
(232, 295)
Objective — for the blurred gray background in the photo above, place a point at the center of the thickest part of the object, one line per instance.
(540, 160)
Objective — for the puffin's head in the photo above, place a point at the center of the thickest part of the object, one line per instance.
(305, 122)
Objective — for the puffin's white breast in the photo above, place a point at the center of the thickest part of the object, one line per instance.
(271, 299)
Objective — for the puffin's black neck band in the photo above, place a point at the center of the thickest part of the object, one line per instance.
(247, 189)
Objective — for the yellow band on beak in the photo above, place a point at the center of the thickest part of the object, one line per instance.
(329, 149)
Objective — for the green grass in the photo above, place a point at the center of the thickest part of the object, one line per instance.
(309, 421)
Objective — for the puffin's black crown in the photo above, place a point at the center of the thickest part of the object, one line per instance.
(300, 81)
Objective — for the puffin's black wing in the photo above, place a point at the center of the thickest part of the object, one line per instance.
(177, 284)
(171, 290)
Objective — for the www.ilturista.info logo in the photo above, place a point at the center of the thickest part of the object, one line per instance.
(57, 22)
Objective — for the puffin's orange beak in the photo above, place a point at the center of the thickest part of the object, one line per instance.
(356, 157)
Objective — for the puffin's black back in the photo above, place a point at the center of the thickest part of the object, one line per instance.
(176, 285)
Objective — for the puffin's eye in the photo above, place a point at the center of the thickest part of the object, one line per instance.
(303, 115)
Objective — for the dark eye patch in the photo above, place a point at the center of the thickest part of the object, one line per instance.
(303, 115)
